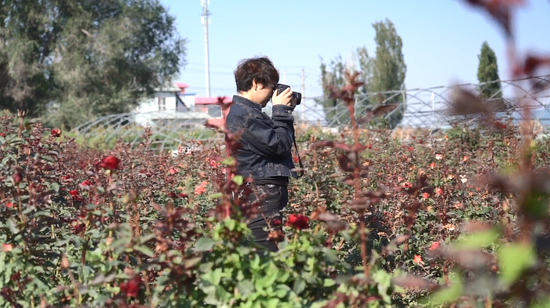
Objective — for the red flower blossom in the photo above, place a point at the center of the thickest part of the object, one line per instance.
(9, 204)
(295, 159)
(432, 165)
(298, 222)
(425, 195)
(439, 191)
(7, 247)
(3, 135)
(55, 132)
(199, 189)
(74, 193)
(418, 259)
(276, 222)
(407, 185)
(86, 183)
(500, 125)
(434, 246)
(132, 287)
(17, 178)
(78, 228)
(109, 162)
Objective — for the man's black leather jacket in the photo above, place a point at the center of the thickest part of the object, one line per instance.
(266, 143)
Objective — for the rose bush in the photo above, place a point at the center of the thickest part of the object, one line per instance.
(84, 228)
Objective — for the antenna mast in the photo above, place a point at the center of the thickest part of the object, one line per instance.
(205, 19)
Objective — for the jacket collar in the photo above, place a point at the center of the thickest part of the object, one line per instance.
(237, 99)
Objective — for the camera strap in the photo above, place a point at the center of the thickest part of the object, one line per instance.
(301, 172)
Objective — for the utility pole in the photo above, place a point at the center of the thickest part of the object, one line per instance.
(205, 20)
(303, 95)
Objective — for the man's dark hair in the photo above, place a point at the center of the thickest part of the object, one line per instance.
(260, 69)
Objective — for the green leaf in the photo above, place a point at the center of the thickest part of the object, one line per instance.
(245, 287)
(146, 238)
(271, 303)
(268, 280)
(215, 196)
(47, 158)
(449, 294)
(238, 179)
(479, 239)
(298, 286)
(54, 186)
(327, 282)
(230, 161)
(204, 244)
(282, 290)
(189, 263)
(144, 250)
(513, 259)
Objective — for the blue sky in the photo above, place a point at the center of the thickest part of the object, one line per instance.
(441, 38)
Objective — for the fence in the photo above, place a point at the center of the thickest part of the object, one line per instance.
(423, 108)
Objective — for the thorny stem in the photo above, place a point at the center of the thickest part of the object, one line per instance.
(19, 205)
(366, 268)
(357, 182)
(146, 279)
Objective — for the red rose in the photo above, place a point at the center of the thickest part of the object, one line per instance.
(182, 195)
(73, 193)
(55, 132)
(298, 222)
(276, 222)
(132, 287)
(199, 189)
(78, 228)
(109, 162)
(434, 246)
(17, 178)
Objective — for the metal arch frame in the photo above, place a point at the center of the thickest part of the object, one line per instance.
(415, 101)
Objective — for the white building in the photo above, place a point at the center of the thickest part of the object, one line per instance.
(171, 105)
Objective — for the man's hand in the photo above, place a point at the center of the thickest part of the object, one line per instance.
(283, 98)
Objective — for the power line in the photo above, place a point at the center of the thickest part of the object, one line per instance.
(202, 72)
(232, 66)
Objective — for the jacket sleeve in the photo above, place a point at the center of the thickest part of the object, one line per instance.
(272, 138)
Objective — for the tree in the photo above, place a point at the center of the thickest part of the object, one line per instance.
(384, 72)
(334, 74)
(487, 73)
(389, 68)
(71, 60)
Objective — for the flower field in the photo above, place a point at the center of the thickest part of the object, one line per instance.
(453, 218)
(423, 221)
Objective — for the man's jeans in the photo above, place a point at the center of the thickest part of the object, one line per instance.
(274, 199)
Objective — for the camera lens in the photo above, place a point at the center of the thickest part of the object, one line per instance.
(297, 97)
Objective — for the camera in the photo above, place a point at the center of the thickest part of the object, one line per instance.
(296, 96)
